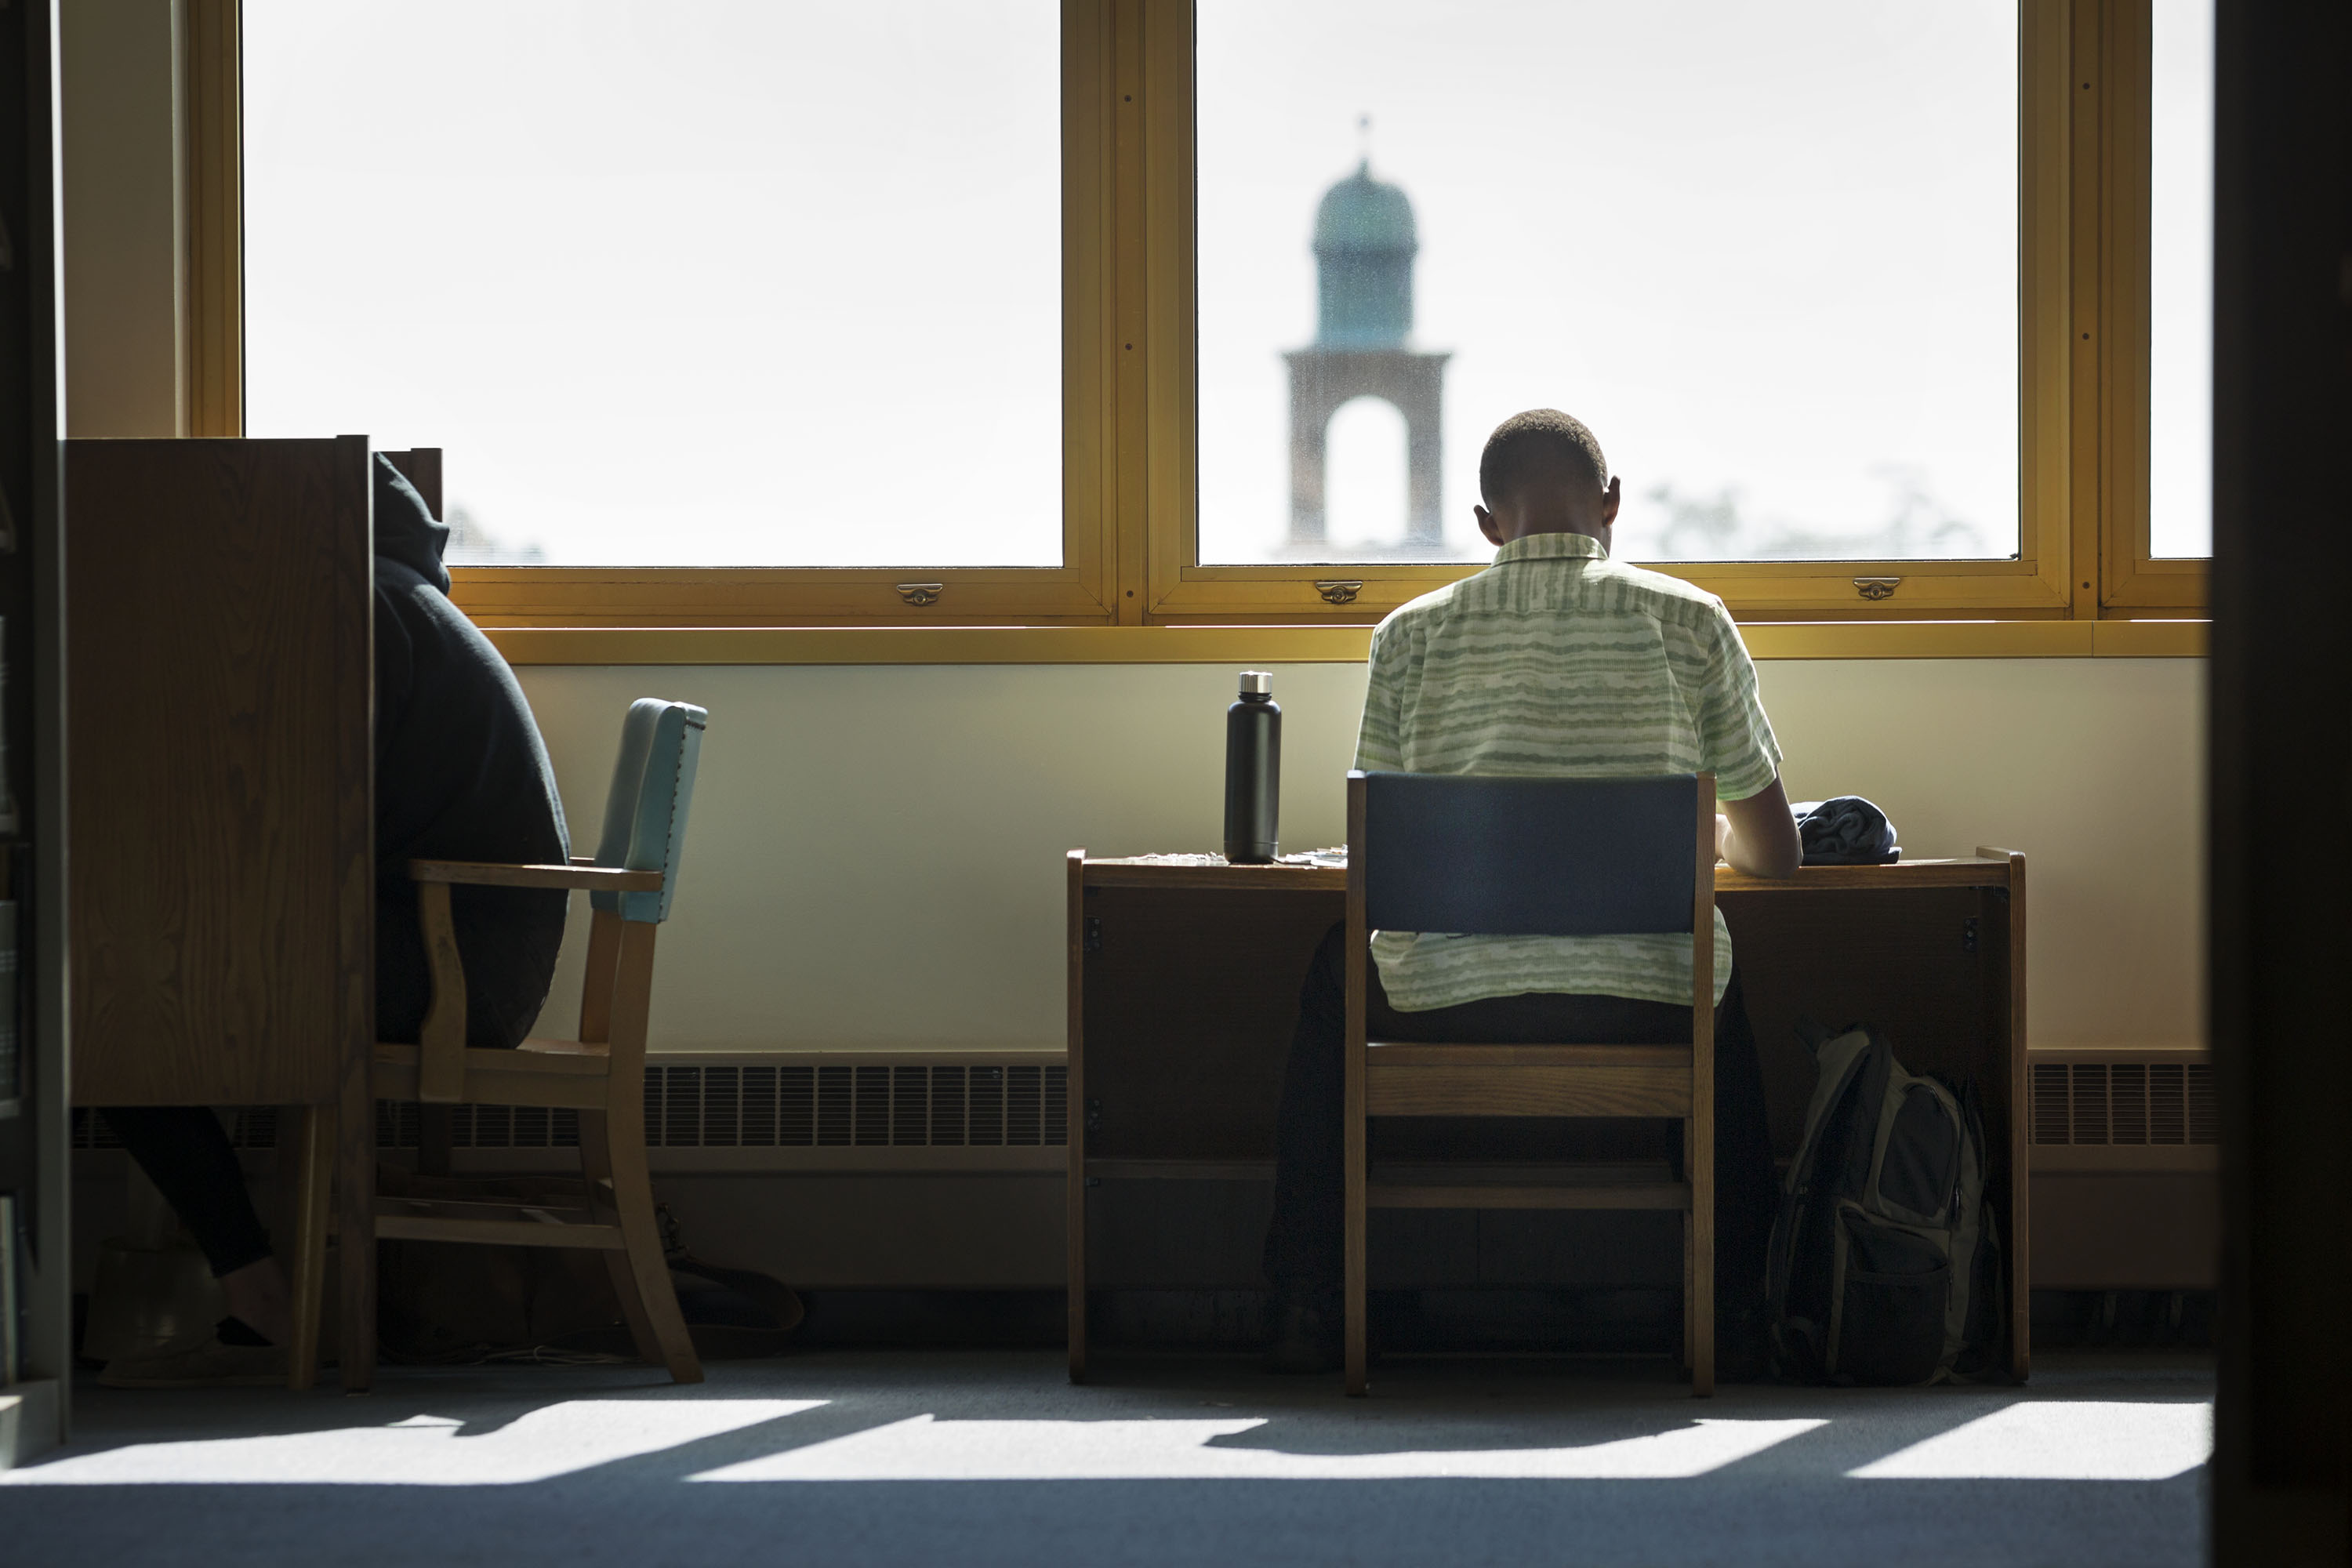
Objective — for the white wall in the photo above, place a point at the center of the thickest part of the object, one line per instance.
(874, 857)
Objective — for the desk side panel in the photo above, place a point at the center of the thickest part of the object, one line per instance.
(218, 724)
(1899, 960)
(1188, 1011)
(2009, 1184)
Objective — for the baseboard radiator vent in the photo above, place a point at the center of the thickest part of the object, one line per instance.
(2113, 1098)
(801, 1105)
(2125, 1161)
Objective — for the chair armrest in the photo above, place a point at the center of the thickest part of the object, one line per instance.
(489, 874)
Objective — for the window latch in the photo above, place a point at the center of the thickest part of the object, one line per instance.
(1339, 592)
(920, 593)
(1877, 588)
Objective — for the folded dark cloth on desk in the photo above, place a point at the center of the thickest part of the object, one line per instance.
(1846, 831)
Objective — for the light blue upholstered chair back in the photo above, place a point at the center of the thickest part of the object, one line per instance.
(645, 815)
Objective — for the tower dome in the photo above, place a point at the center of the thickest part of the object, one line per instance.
(1364, 245)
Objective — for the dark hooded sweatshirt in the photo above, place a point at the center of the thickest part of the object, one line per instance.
(460, 775)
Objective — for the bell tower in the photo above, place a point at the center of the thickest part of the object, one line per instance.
(1364, 247)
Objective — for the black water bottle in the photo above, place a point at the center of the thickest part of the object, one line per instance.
(1252, 772)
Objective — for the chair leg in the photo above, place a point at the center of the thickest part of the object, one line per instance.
(1690, 1312)
(1352, 1309)
(596, 1165)
(645, 1278)
(310, 1161)
(1702, 1284)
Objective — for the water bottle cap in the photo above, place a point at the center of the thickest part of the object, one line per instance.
(1257, 682)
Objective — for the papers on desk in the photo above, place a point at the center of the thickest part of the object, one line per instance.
(1335, 858)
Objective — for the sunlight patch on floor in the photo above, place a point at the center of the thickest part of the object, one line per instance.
(424, 1450)
(2060, 1440)
(926, 1450)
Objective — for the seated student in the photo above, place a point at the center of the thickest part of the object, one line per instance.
(460, 775)
(1558, 661)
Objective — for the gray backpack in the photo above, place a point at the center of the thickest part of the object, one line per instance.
(1885, 1260)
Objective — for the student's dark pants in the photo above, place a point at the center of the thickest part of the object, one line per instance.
(189, 1159)
(1303, 1245)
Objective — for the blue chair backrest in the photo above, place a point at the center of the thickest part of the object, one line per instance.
(645, 815)
(1530, 857)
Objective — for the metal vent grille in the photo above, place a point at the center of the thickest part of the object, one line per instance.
(481, 1126)
(2124, 1102)
(823, 1106)
(791, 1107)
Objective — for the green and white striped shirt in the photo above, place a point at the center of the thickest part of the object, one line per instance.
(1559, 662)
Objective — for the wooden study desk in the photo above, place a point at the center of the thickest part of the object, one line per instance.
(1184, 989)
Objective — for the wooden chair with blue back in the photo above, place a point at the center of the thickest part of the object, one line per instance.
(631, 881)
(1535, 857)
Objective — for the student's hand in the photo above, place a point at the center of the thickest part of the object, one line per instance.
(1722, 835)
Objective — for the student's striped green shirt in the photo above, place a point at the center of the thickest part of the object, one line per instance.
(1559, 662)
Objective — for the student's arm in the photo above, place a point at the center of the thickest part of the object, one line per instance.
(1754, 828)
(1758, 835)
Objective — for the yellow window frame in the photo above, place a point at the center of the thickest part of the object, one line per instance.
(1080, 592)
(1129, 510)
(2133, 579)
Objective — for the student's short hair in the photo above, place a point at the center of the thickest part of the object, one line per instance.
(1542, 444)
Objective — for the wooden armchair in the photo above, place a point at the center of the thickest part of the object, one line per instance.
(630, 881)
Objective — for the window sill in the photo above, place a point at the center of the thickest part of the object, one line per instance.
(1290, 644)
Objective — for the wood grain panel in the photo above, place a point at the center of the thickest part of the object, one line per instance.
(1416, 1054)
(1397, 1090)
(1214, 879)
(219, 686)
(509, 1082)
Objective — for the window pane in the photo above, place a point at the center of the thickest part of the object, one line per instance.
(713, 283)
(1769, 253)
(2180, 281)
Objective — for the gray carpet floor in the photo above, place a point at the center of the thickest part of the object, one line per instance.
(992, 1458)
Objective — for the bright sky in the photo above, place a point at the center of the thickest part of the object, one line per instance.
(2180, 281)
(723, 281)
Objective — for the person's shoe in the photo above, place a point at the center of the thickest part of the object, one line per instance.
(228, 1355)
(1308, 1337)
